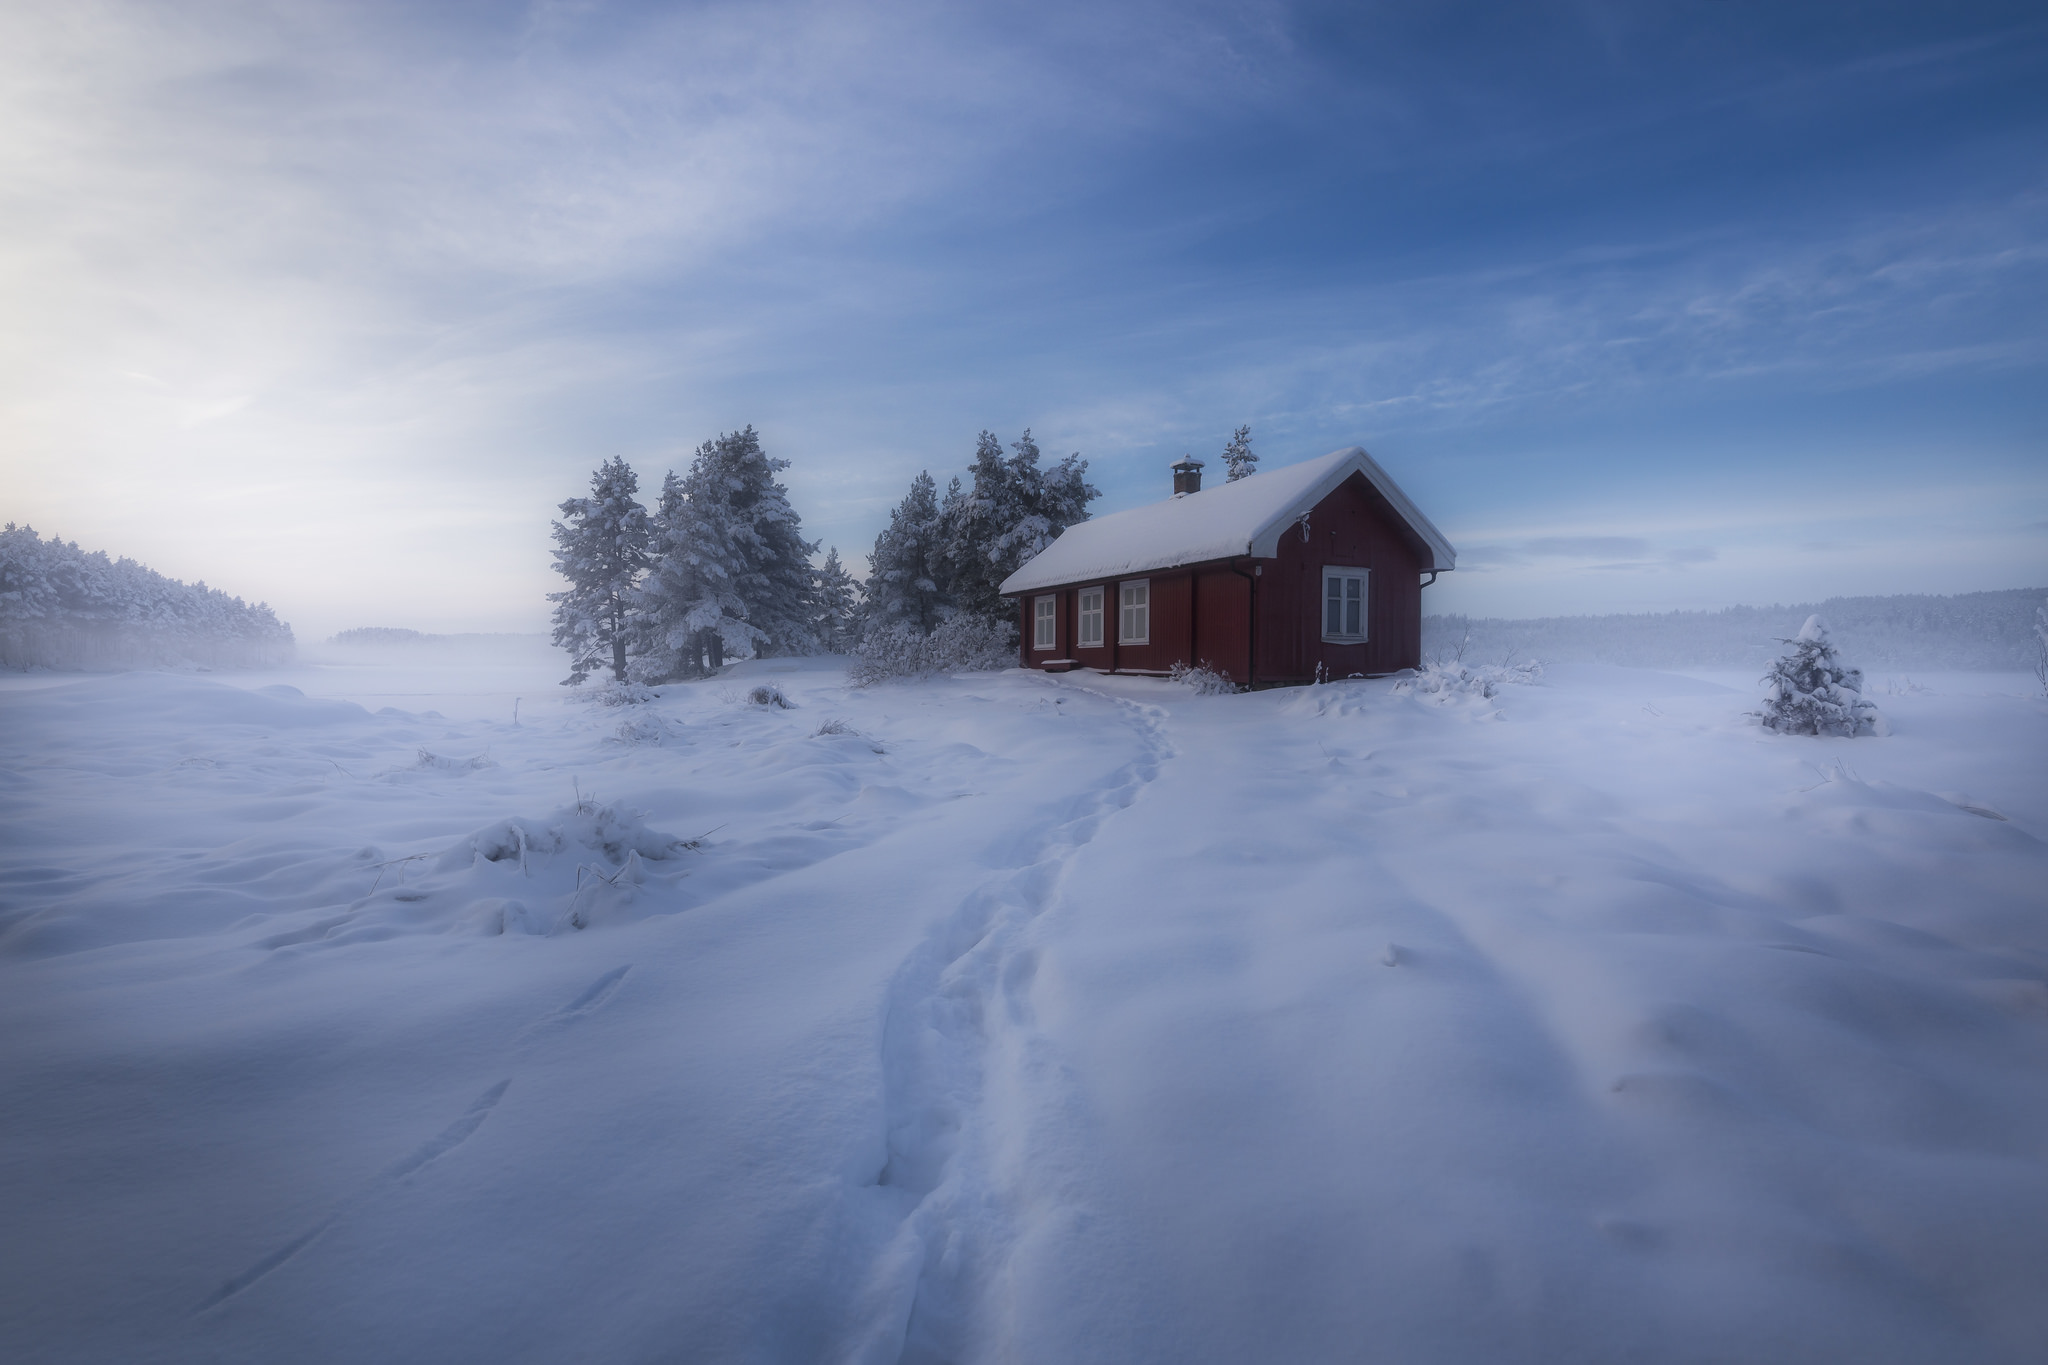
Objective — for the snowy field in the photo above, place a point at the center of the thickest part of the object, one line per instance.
(1009, 1017)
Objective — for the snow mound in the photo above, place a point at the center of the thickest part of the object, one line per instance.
(582, 866)
(1446, 680)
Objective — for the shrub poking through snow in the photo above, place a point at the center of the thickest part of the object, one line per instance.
(834, 726)
(442, 763)
(768, 694)
(1448, 678)
(641, 730)
(964, 644)
(624, 694)
(1810, 692)
(1206, 680)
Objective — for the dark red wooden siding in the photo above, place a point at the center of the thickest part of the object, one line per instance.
(1354, 527)
(1203, 614)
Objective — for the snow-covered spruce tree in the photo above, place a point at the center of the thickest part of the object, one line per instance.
(690, 612)
(837, 599)
(601, 547)
(1238, 457)
(1015, 510)
(732, 572)
(906, 569)
(1810, 692)
(775, 579)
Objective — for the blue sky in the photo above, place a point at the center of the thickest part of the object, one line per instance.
(1647, 306)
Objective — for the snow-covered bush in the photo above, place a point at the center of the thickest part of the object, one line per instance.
(768, 694)
(1448, 678)
(623, 694)
(62, 607)
(1810, 692)
(1204, 679)
(960, 644)
(641, 730)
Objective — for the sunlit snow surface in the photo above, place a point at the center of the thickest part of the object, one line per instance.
(1022, 1019)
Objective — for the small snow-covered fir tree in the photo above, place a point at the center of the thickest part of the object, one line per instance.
(1810, 691)
(1238, 457)
(601, 548)
(837, 599)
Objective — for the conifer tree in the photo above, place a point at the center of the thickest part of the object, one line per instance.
(732, 570)
(691, 612)
(906, 568)
(835, 593)
(1015, 510)
(601, 548)
(774, 578)
(1238, 457)
(1812, 693)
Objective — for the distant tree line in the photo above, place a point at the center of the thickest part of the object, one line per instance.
(1988, 631)
(719, 568)
(63, 607)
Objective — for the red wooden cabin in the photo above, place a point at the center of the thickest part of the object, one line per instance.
(1315, 567)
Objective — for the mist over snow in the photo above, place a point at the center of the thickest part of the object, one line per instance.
(409, 1007)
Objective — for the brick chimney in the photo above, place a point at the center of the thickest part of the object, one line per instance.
(1187, 475)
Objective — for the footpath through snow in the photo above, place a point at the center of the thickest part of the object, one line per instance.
(1007, 1017)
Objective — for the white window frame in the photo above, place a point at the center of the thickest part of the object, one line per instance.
(1134, 611)
(1045, 622)
(1088, 618)
(1345, 574)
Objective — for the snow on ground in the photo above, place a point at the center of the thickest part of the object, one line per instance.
(1013, 1017)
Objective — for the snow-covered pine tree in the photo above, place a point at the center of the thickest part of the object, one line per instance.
(1810, 692)
(601, 548)
(837, 599)
(906, 570)
(690, 610)
(1015, 510)
(975, 519)
(774, 575)
(1238, 457)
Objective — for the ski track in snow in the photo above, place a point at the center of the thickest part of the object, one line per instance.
(959, 1013)
(442, 1143)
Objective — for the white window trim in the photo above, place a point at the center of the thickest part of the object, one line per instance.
(1364, 577)
(1082, 613)
(1045, 622)
(1122, 609)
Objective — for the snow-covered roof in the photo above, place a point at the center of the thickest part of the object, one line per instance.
(1224, 522)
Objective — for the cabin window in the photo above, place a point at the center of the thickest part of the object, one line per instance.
(1089, 618)
(1134, 618)
(1045, 619)
(1343, 605)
